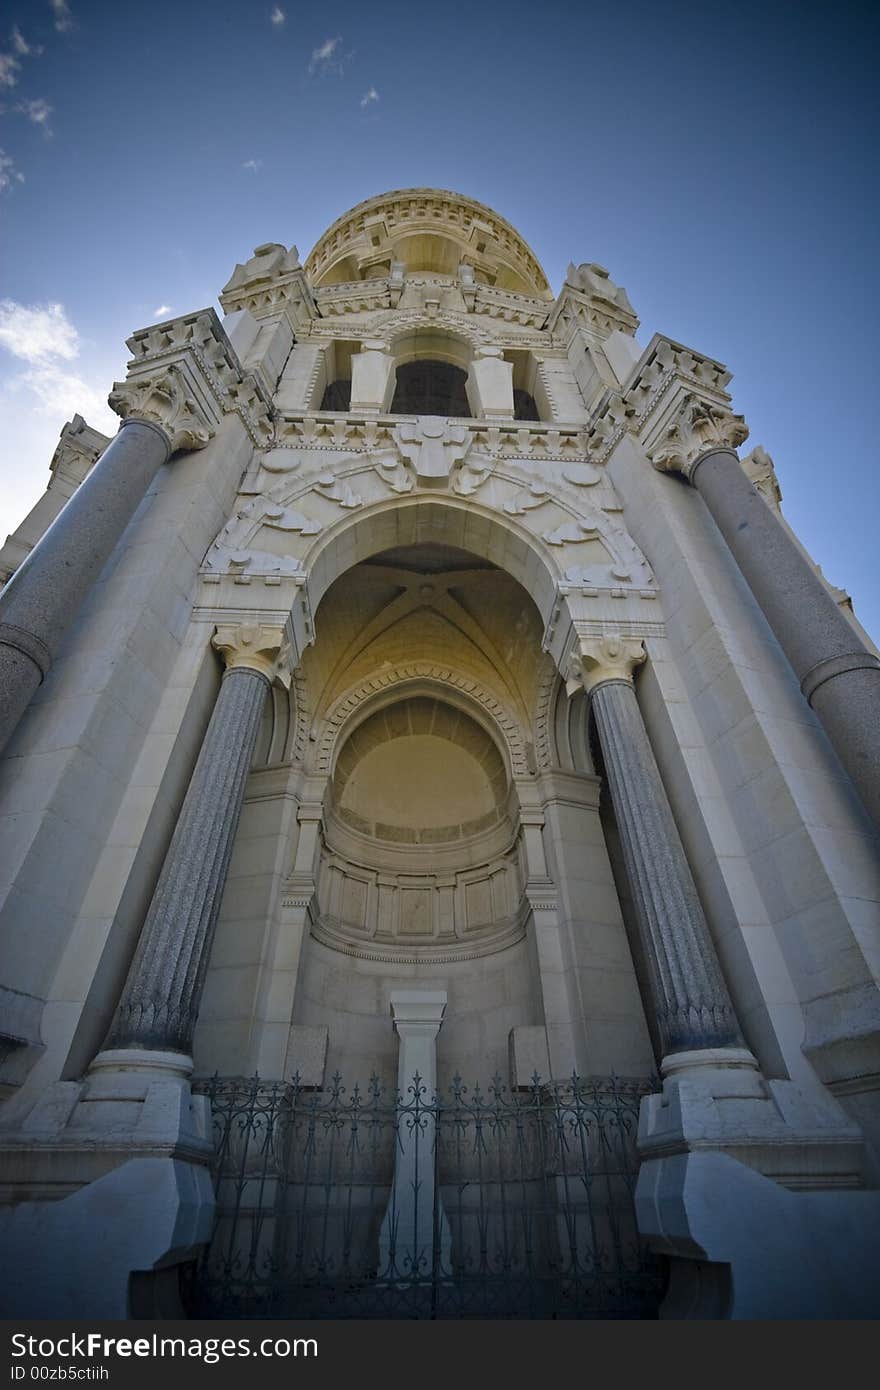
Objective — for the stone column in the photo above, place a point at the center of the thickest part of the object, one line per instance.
(160, 1000)
(46, 590)
(838, 676)
(406, 1239)
(690, 999)
(43, 596)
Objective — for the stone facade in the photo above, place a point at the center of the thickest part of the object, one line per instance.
(540, 710)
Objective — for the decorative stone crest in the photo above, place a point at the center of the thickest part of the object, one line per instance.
(596, 660)
(699, 428)
(255, 647)
(758, 468)
(432, 447)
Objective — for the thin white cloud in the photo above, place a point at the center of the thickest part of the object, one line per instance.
(63, 17)
(324, 57)
(162, 311)
(21, 45)
(253, 165)
(9, 173)
(369, 97)
(37, 332)
(38, 111)
(9, 66)
(278, 16)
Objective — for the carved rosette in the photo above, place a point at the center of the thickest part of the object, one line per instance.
(598, 660)
(255, 647)
(699, 428)
(163, 400)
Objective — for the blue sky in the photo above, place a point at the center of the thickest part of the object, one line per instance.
(720, 161)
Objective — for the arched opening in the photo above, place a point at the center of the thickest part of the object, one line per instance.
(431, 387)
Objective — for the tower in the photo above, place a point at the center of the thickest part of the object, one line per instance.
(419, 684)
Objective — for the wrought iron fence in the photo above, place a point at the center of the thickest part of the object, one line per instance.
(367, 1202)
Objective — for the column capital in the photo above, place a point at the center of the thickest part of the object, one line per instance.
(698, 428)
(596, 660)
(162, 400)
(255, 647)
(184, 376)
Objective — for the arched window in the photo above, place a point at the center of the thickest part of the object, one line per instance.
(430, 387)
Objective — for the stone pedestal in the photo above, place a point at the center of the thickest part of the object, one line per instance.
(413, 1236)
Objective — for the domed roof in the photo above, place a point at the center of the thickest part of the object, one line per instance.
(428, 230)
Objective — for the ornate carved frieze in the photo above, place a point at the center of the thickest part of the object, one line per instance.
(257, 647)
(355, 433)
(698, 428)
(184, 376)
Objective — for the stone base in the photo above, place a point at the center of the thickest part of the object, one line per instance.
(741, 1246)
(74, 1258)
(104, 1178)
(130, 1104)
(718, 1101)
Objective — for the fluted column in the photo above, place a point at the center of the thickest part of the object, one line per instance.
(160, 1000)
(838, 676)
(690, 999)
(46, 590)
(161, 415)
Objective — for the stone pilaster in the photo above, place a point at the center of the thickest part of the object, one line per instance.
(160, 1000)
(406, 1238)
(838, 675)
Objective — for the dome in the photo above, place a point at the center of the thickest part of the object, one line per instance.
(430, 231)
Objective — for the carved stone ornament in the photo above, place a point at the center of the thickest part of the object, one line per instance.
(758, 468)
(257, 648)
(596, 660)
(432, 447)
(699, 428)
(164, 401)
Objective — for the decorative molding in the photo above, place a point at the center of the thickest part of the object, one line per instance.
(698, 428)
(432, 447)
(78, 450)
(184, 375)
(596, 660)
(163, 400)
(346, 705)
(368, 235)
(357, 434)
(256, 647)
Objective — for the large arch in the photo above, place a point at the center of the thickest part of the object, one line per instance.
(449, 521)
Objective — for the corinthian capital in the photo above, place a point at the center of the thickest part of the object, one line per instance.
(163, 398)
(596, 660)
(698, 428)
(256, 647)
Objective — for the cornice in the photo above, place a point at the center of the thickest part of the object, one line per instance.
(650, 400)
(184, 375)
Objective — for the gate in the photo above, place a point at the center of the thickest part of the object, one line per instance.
(513, 1204)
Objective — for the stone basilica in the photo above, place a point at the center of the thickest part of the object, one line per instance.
(439, 813)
